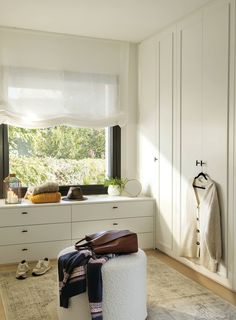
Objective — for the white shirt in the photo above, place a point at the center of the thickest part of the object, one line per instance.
(201, 226)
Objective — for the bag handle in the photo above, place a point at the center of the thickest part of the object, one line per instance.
(83, 246)
(89, 238)
(80, 241)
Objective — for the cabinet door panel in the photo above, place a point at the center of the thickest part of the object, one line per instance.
(190, 35)
(147, 115)
(166, 98)
(215, 102)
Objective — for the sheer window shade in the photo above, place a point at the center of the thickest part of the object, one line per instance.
(36, 98)
(97, 73)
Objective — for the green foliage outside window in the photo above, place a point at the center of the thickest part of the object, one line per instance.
(63, 154)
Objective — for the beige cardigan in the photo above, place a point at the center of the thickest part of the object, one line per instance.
(201, 226)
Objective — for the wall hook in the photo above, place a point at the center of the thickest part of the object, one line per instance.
(200, 163)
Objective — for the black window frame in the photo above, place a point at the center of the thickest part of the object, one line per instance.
(114, 155)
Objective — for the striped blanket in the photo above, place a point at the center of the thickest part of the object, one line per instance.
(78, 270)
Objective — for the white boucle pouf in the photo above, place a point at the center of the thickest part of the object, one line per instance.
(124, 290)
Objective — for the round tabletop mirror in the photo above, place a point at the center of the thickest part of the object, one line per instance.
(133, 188)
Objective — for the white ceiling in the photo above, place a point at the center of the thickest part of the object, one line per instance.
(130, 20)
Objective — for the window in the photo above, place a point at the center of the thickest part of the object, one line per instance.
(70, 156)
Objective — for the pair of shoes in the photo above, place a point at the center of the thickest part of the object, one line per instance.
(22, 270)
(41, 267)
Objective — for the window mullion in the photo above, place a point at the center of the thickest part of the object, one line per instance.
(115, 151)
(4, 156)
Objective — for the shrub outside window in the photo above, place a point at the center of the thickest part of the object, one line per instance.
(67, 155)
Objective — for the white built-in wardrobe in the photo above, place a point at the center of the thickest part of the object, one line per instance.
(187, 114)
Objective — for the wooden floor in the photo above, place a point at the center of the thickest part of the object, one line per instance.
(218, 289)
(195, 276)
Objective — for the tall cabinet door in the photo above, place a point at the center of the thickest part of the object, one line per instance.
(165, 106)
(216, 104)
(190, 102)
(204, 103)
(147, 153)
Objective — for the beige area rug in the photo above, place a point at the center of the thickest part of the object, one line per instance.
(34, 298)
(171, 296)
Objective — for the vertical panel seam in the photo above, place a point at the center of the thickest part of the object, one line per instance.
(172, 138)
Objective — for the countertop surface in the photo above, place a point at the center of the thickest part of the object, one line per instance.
(90, 199)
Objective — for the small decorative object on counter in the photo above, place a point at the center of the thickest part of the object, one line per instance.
(133, 188)
(115, 185)
(12, 189)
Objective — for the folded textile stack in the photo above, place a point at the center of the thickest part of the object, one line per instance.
(45, 197)
(45, 193)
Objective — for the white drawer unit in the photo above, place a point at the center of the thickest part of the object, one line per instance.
(29, 215)
(31, 251)
(143, 226)
(112, 210)
(35, 233)
(135, 215)
(32, 232)
(138, 225)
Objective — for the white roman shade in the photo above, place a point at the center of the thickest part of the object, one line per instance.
(81, 90)
(34, 98)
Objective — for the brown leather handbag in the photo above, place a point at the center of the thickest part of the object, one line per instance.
(112, 241)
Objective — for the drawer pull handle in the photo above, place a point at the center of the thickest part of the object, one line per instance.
(114, 207)
(24, 212)
(24, 249)
(24, 231)
(115, 224)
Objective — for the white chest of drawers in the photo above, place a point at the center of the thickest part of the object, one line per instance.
(32, 232)
(132, 215)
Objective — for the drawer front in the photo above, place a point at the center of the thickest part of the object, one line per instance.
(32, 252)
(27, 234)
(138, 225)
(112, 210)
(26, 216)
(146, 240)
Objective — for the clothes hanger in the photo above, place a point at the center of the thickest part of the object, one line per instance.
(195, 186)
(199, 175)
